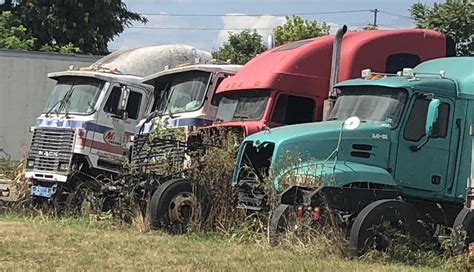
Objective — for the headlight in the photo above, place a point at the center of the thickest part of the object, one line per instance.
(64, 166)
(300, 180)
(30, 163)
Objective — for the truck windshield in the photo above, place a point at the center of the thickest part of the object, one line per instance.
(183, 92)
(74, 95)
(242, 105)
(373, 104)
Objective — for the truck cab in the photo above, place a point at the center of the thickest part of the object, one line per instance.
(184, 96)
(89, 116)
(401, 139)
(288, 84)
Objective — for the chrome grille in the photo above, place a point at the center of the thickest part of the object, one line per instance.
(50, 147)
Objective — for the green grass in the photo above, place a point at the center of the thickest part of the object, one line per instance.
(32, 243)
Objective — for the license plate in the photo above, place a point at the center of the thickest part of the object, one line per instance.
(41, 191)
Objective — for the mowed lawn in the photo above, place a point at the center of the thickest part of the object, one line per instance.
(65, 245)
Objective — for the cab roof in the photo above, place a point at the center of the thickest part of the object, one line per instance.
(106, 76)
(303, 67)
(458, 78)
(226, 68)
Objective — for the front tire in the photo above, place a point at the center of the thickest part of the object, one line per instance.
(372, 226)
(465, 222)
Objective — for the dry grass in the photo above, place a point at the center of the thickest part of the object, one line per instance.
(77, 244)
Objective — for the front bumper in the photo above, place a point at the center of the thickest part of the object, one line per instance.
(46, 176)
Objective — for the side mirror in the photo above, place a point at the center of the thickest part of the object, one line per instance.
(431, 117)
(125, 92)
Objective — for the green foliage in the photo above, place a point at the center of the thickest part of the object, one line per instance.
(240, 47)
(370, 27)
(65, 49)
(13, 35)
(455, 18)
(64, 25)
(296, 29)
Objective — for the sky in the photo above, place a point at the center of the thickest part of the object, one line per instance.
(394, 14)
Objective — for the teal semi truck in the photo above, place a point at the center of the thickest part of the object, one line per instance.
(396, 148)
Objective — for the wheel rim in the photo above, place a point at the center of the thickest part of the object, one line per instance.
(181, 207)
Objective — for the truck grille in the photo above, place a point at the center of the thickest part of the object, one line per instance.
(162, 156)
(253, 173)
(50, 147)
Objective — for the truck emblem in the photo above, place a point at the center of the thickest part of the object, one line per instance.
(112, 138)
(379, 136)
(48, 153)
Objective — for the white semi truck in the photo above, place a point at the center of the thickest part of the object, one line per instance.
(92, 111)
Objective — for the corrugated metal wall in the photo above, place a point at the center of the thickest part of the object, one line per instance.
(24, 89)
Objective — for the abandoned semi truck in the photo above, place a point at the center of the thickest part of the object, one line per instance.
(185, 104)
(395, 149)
(289, 84)
(89, 115)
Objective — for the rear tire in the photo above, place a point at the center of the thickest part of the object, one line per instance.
(173, 205)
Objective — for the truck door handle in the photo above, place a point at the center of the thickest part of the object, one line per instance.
(436, 180)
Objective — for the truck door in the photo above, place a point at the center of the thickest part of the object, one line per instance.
(425, 169)
(113, 130)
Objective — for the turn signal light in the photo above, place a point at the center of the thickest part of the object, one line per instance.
(316, 214)
(300, 212)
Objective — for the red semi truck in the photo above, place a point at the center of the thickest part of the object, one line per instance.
(288, 84)
(291, 84)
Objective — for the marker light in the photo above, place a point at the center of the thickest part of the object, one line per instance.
(365, 73)
(407, 72)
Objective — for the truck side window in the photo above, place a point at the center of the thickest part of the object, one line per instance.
(397, 62)
(293, 110)
(113, 101)
(415, 129)
(133, 104)
(215, 99)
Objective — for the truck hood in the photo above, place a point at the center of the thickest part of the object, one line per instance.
(308, 149)
(247, 127)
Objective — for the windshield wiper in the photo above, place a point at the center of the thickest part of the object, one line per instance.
(61, 101)
(65, 102)
(332, 119)
(54, 105)
(241, 117)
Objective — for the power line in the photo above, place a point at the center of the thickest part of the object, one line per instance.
(394, 14)
(197, 28)
(213, 28)
(253, 15)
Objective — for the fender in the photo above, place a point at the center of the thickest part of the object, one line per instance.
(344, 173)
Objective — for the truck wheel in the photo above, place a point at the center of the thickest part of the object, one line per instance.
(465, 222)
(279, 223)
(73, 202)
(374, 224)
(173, 205)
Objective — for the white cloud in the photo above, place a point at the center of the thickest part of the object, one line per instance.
(263, 25)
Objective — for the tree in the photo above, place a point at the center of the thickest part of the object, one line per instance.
(87, 24)
(296, 29)
(455, 19)
(13, 35)
(240, 47)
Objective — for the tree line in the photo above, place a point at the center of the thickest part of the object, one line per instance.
(87, 26)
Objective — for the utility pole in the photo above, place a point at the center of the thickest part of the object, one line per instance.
(375, 11)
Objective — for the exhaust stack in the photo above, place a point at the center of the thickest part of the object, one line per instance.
(270, 41)
(336, 56)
